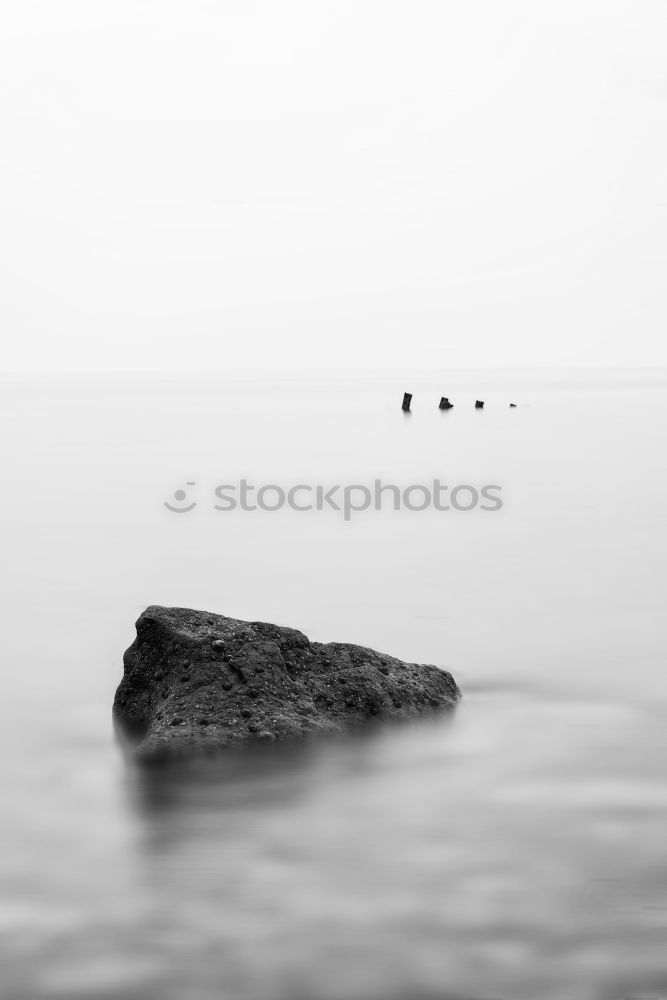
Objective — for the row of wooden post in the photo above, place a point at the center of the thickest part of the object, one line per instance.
(444, 403)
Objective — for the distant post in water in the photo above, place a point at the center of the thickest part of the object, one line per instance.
(479, 404)
(445, 404)
(407, 399)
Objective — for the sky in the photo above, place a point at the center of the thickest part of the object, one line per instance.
(215, 185)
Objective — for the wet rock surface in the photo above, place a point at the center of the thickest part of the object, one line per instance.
(198, 682)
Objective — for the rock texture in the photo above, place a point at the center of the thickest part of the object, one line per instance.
(197, 682)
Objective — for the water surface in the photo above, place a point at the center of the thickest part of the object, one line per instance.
(514, 850)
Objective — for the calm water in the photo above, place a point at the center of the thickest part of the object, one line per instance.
(513, 851)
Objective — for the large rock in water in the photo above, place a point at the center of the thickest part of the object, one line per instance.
(196, 682)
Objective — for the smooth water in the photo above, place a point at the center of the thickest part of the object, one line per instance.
(514, 850)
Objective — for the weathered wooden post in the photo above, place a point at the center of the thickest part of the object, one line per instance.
(407, 399)
(445, 404)
(479, 404)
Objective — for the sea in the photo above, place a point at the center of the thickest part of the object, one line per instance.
(512, 849)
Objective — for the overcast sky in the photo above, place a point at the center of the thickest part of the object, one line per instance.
(224, 184)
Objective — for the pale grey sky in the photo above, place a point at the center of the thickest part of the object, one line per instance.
(223, 184)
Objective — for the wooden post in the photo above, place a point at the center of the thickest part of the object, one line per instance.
(407, 399)
(445, 404)
(479, 404)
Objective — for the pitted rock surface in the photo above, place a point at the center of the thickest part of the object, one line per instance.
(199, 682)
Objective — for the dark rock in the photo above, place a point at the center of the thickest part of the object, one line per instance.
(407, 399)
(445, 404)
(479, 404)
(325, 689)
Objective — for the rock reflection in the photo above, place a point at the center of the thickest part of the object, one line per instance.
(262, 777)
